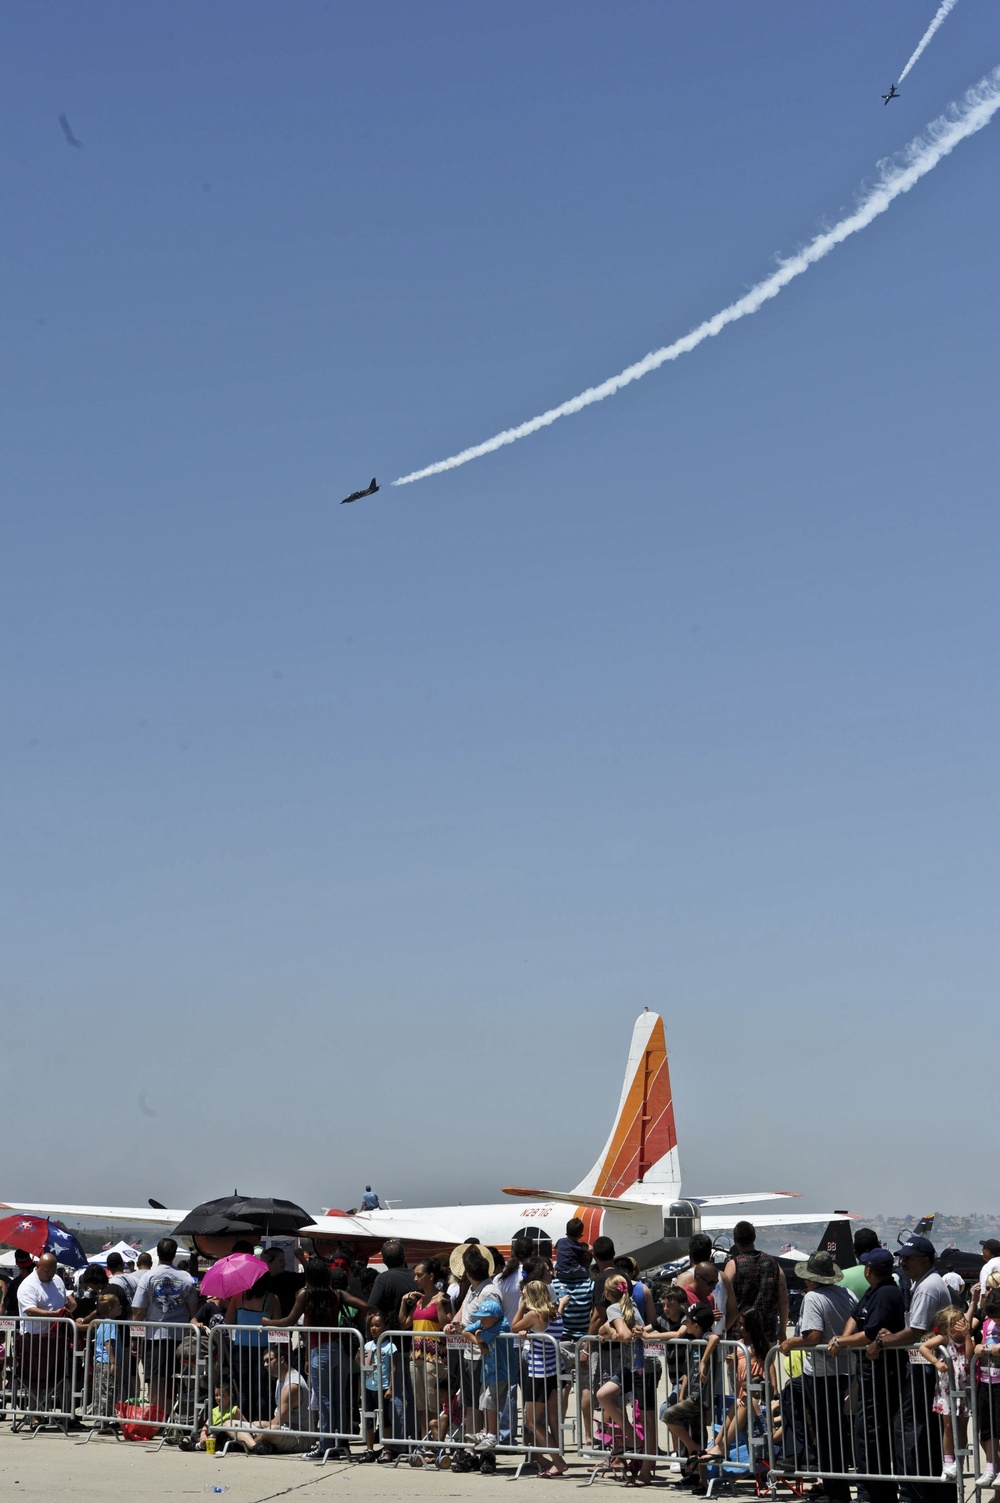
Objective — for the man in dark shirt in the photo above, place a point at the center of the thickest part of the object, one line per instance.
(604, 1257)
(880, 1309)
(25, 1264)
(392, 1283)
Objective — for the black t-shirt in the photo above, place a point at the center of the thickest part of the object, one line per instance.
(387, 1291)
(880, 1309)
(286, 1286)
(10, 1298)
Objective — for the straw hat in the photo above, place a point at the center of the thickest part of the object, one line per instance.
(456, 1264)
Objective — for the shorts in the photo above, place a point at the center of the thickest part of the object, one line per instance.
(537, 1389)
(283, 1440)
(988, 1411)
(430, 1383)
(369, 1403)
(493, 1396)
(686, 1412)
(644, 1386)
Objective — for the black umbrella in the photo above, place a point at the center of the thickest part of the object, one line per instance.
(271, 1216)
(236, 1215)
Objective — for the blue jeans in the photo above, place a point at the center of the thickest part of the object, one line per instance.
(326, 1389)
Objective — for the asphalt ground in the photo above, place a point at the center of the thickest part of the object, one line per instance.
(48, 1467)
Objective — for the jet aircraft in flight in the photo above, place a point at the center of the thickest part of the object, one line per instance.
(357, 495)
(892, 94)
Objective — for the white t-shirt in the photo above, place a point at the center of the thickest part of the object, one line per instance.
(510, 1293)
(32, 1293)
(162, 1295)
(827, 1310)
(993, 1266)
(719, 1301)
(298, 1400)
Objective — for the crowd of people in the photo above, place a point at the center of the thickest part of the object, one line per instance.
(875, 1372)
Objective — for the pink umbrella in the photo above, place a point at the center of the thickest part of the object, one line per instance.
(233, 1275)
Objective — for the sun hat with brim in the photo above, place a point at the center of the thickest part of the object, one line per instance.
(456, 1264)
(819, 1268)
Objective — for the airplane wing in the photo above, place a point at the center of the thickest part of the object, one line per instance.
(791, 1218)
(738, 1200)
(380, 1224)
(145, 1214)
(571, 1198)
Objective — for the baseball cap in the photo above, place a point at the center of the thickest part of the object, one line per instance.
(990, 1245)
(880, 1258)
(918, 1246)
(20, 1256)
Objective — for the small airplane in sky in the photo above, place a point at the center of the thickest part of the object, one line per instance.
(357, 495)
(892, 94)
(67, 131)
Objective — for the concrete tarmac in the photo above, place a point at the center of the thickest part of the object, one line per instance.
(47, 1467)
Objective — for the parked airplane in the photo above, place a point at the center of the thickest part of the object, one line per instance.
(632, 1194)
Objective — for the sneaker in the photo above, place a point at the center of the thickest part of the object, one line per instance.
(949, 1471)
(485, 1442)
(987, 1478)
(315, 1454)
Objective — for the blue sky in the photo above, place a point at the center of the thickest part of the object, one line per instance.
(356, 838)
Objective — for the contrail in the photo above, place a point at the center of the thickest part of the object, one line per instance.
(943, 10)
(896, 175)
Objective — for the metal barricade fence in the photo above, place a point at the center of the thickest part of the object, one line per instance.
(449, 1400)
(844, 1417)
(284, 1388)
(147, 1381)
(984, 1456)
(40, 1371)
(665, 1400)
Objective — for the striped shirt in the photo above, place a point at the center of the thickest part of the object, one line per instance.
(576, 1316)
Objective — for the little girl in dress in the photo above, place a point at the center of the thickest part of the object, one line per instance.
(952, 1337)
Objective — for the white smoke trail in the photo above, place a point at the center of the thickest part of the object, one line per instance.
(896, 175)
(943, 10)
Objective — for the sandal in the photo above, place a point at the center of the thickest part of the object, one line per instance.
(366, 1456)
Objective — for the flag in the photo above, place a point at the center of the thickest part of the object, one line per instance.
(65, 1247)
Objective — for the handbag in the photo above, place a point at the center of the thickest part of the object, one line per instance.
(128, 1413)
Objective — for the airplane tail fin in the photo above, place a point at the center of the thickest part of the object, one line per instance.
(838, 1239)
(640, 1158)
